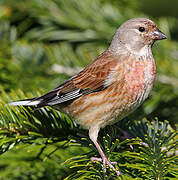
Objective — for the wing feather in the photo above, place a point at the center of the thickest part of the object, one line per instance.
(89, 80)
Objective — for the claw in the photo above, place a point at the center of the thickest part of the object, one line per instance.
(95, 159)
(106, 162)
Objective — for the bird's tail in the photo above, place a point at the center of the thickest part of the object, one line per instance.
(37, 101)
(26, 102)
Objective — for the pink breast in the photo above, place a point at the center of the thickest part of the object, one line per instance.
(140, 78)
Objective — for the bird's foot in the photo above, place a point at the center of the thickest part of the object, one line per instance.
(106, 162)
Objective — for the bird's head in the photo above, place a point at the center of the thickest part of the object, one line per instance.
(137, 33)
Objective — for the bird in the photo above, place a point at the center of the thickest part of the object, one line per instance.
(110, 87)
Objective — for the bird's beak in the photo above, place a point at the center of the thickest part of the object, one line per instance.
(158, 35)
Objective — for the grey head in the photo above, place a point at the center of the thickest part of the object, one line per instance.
(135, 34)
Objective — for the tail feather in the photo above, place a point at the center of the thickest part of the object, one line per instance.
(27, 102)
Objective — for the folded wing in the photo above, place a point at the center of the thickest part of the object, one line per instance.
(91, 79)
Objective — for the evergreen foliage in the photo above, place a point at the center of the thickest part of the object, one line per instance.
(38, 38)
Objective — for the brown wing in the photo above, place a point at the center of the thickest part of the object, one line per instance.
(91, 79)
(95, 75)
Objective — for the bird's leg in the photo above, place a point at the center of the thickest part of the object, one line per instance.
(104, 159)
(126, 135)
(93, 133)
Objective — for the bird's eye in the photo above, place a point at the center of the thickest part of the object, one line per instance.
(141, 29)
